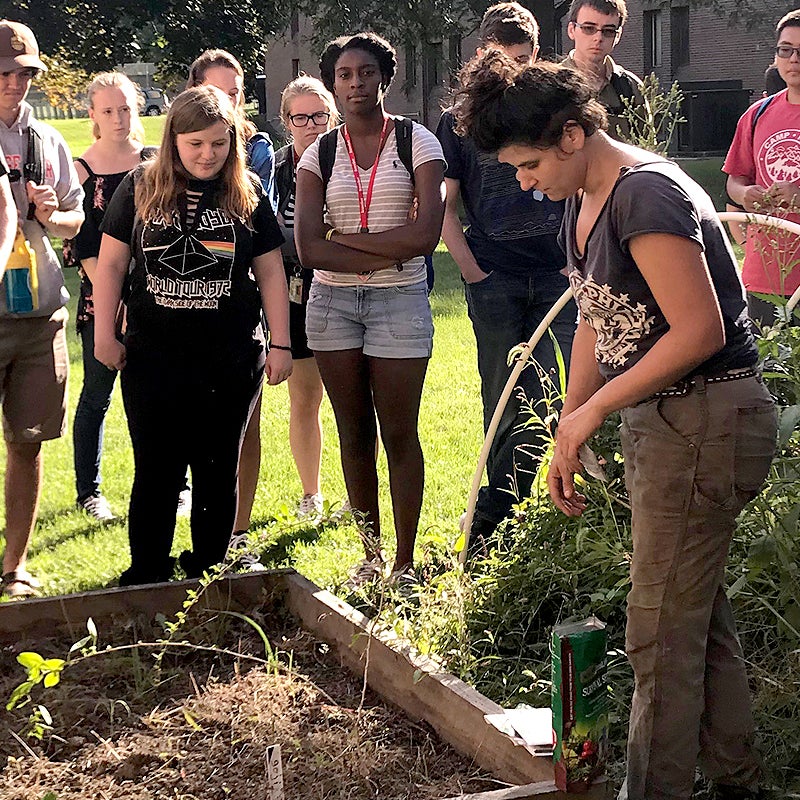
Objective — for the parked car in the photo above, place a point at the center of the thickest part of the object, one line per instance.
(154, 102)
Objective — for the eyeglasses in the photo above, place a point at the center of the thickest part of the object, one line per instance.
(302, 120)
(785, 51)
(590, 29)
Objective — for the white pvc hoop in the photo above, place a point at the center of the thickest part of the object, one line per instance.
(725, 216)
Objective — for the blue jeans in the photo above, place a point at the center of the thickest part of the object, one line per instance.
(505, 309)
(87, 432)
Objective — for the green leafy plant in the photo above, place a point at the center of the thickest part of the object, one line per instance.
(654, 129)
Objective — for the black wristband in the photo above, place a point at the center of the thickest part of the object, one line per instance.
(273, 346)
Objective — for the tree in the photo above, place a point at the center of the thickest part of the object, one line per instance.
(63, 84)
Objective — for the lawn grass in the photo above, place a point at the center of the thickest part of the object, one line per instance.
(708, 173)
(71, 553)
(78, 132)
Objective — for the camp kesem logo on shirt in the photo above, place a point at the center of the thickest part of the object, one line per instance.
(779, 157)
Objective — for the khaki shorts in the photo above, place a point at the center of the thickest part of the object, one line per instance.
(34, 366)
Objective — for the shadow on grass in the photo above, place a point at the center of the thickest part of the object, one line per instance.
(277, 552)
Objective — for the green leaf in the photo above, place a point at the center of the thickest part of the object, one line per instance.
(256, 627)
(53, 664)
(762, 552)
(52, 679)
(20, 692)
(30, 660)
(787, 422)
(191, 720)
(80, 644)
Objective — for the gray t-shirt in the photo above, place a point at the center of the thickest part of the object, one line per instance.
(611, 292)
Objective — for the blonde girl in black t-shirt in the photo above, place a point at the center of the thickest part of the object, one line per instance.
(206, 260)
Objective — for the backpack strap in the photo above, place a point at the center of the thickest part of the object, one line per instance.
(33, 168)
(759, 113)
(403, 131)
(327, 155)
(623, 87)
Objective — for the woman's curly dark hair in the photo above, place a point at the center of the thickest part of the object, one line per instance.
(373, 44)
(501, 103)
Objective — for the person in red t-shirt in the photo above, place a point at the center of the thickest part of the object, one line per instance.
(763, 168)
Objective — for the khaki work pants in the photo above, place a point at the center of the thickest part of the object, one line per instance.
(691, 463)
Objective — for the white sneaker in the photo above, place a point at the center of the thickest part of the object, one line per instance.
(310, 505)
(185, 503)
(239, 553)
(97, 507)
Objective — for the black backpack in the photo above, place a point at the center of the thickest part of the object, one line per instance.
(327, 149)
(623, 86)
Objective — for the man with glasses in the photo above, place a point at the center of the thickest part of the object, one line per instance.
(763, 168)
(33, 347)
(595, 26)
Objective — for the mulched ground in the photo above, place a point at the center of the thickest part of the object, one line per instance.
(203, 729)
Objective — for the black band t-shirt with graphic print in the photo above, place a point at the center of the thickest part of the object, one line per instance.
(611, 292)
(191, 289)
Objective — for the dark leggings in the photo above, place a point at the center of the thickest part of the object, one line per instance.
(183, 413)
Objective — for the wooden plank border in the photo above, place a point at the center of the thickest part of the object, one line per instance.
(414, 683)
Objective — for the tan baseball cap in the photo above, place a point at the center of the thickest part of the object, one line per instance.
(18, 47)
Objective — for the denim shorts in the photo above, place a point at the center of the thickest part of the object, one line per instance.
(383, 322)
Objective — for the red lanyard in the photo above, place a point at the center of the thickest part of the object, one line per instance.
(364, 202)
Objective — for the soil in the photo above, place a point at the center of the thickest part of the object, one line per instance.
(201, 727)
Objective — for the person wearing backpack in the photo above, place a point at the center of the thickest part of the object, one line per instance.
(33, 345)
(763, 169)
(595, 27)
(307, 111)
(221, 69)
(511, 266)
(118, 148)
(369, 320)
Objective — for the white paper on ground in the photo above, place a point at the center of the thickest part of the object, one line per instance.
(531, 728)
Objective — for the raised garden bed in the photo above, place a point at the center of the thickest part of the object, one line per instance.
(203, 728)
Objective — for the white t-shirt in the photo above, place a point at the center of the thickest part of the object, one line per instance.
(392, 196)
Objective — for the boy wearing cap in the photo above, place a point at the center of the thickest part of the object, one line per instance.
(33, 348)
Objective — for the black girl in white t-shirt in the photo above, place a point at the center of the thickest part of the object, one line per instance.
(368, 320)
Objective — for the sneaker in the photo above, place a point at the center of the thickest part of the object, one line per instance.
(96, 506)
(404, 582)
(310, 505)
(185, 503)
(366, 571)
(239, 552)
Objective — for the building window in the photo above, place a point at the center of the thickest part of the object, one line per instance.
(652, 39)
(294, 23)
(433, 57)
(454, 53)
(411, 66)
(679, 36)
(295, 67)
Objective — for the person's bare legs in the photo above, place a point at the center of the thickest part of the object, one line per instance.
(305, 424)
(397, 390)
(346, 375)
(23, 490)
(249, 466)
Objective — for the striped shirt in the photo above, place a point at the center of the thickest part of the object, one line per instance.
(392, 197)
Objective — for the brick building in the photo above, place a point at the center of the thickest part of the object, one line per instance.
(720, 66)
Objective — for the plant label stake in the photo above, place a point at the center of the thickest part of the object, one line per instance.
(274, 773)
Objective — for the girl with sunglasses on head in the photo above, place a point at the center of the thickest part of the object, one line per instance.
(220, 69)
(307, 110)
(664, 338)
(206, 261)
(368, 320)
(117, 149)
